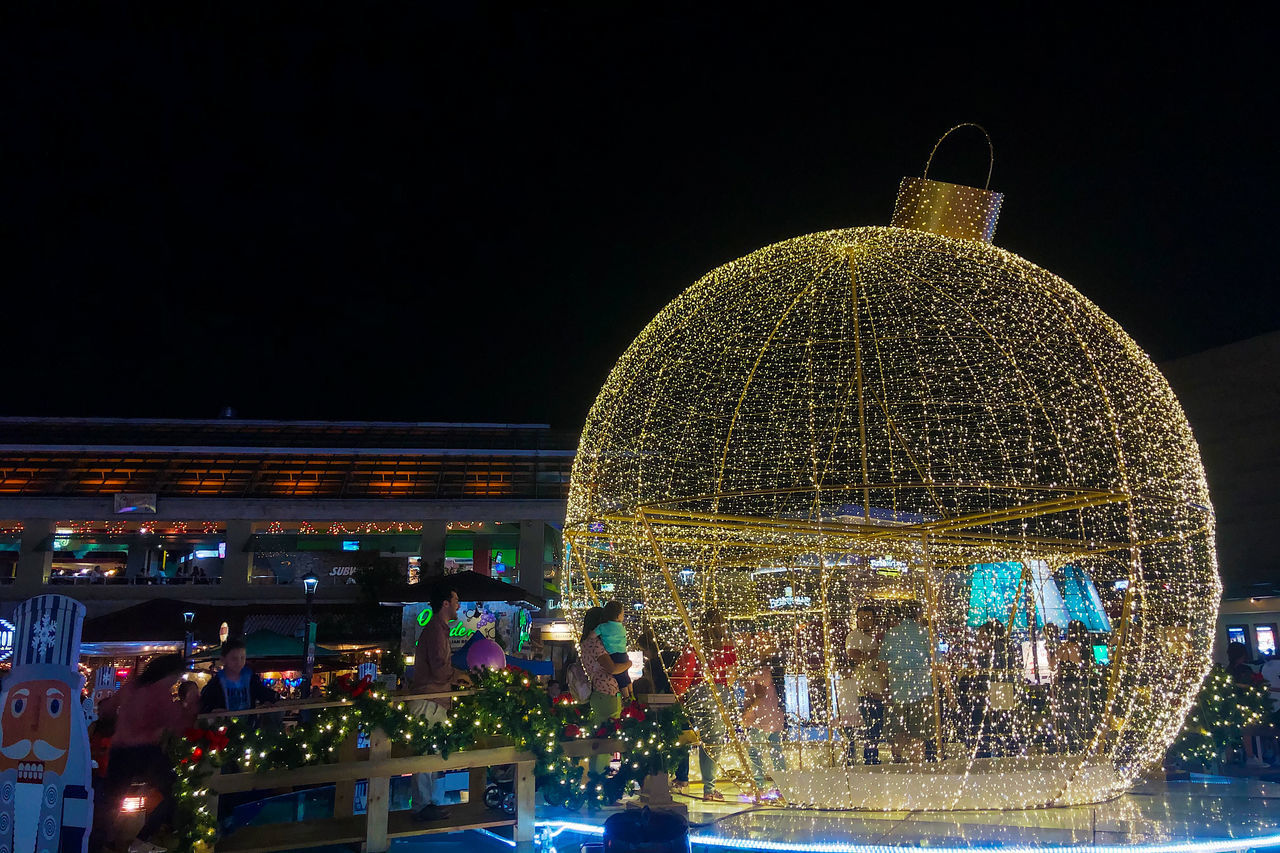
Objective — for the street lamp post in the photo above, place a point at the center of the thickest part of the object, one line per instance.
(309, 584)
(189, 646)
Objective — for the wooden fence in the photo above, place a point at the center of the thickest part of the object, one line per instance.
(382, 760)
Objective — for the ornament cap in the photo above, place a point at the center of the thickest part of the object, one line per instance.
(951, 210)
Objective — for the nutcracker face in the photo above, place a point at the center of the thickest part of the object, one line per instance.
(35, 725)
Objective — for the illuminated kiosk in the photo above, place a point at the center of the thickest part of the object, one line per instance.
(872, 417)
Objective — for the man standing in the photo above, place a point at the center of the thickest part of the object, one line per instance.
(433, 673)
(235, 687)
(906, 653)
(862, 647)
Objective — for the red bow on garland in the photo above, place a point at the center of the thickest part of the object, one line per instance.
(345, 686)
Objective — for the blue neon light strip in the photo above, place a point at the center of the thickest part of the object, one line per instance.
(1208, 845)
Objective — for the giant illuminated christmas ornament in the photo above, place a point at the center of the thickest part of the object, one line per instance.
(926, 491)
(46, 794)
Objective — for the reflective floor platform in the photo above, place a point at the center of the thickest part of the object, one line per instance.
(1205, 813)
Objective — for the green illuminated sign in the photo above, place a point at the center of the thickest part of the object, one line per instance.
(424, 616)
(524, 626)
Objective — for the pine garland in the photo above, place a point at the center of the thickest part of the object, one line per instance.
(507, 703)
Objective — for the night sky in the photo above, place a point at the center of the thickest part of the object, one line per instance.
(465, 214)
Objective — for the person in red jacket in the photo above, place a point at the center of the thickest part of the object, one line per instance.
(145, 712)
(706, 695)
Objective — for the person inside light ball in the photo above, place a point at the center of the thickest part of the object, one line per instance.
(706, 694)
(984, 695)
(862, 647)
(905, 652)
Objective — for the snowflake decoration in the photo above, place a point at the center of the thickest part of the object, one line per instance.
(44, 634)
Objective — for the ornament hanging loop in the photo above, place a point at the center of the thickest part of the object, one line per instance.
(991, 162)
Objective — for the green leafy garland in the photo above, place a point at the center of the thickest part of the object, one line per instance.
(1223, 710)
(507, 703)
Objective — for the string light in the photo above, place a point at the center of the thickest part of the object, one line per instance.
(897, 419)
(503, 700)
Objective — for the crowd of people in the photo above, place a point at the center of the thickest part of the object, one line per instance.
(127, 741)
(894, 688)
(885, 694)
(186, 572)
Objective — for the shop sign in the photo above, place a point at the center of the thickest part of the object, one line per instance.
(888, 567)
(6, 639)
(135, 502)
(788, 599)
(524, 628)
(342, 571)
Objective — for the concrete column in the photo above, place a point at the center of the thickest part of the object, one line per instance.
(533, 544)
(480, 555)
(238, 565)
(431, 548)
(139, 553)
(32, 570)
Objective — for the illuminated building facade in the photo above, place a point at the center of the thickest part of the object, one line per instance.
(117, 511)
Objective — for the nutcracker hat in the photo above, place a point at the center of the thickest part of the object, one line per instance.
(48, 631)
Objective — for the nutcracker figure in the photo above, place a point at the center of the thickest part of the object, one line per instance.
(46, 797)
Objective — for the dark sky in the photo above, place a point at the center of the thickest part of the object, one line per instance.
(463, 213)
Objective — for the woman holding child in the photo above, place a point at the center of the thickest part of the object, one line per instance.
(602, 671)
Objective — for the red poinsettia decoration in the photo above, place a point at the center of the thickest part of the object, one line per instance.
(212, 739)
(344, 686)
(634, 711)
(572, 730)
(205, 740)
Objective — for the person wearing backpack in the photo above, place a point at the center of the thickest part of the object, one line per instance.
(576, 683)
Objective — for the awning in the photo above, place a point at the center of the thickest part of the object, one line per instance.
(473, 586)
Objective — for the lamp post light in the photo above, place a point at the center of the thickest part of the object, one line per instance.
(309, 584)
(189, 646)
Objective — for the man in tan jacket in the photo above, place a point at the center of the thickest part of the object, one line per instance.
(433, 672)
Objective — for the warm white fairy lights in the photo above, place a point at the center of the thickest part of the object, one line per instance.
(893, 420)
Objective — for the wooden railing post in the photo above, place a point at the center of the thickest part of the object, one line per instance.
(524, 802)
(344, 793)
(379, 799)
(477, 781)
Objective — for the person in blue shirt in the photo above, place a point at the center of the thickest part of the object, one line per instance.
(235, 687)
(905, 649)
